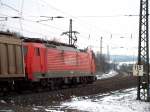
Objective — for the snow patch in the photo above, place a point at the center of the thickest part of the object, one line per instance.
(123, 101)
(107, 75)
(50, 110)
(35, 109)
(2, 101)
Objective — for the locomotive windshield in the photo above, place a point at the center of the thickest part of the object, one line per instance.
(37, 51)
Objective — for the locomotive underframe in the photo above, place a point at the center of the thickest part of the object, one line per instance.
(20, 84)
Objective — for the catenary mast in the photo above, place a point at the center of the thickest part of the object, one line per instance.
(143, 52)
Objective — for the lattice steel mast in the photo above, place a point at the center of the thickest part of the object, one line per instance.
(143, 52)
(72, 39)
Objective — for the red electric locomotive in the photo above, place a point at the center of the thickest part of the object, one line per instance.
(48, 64)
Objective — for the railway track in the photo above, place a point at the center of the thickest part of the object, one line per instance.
(48, 97)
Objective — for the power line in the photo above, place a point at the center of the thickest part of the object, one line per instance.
(106, 16)
(81, 16)
(21, 12)
(28, 31)
(66, 17)
(43, 24)
(10, 7)
(28, 20)
(56, 9)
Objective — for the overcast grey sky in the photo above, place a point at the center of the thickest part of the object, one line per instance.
(90, 17)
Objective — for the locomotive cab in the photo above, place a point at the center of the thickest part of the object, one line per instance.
(35, 60)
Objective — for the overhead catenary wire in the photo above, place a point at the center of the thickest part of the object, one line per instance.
(31, 32)
(21, 12)
(46, 25)
(77, 17)
(21, 18)
(10, 7)
(29, 20)
(68, 16)
(50, 26)
(74, 16)
(103, 16)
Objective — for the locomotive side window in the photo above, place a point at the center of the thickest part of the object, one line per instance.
(25, 50)
(37, 51)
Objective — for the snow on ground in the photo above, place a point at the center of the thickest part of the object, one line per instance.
(130, 62)
(118, 101)
(106, 75)
(124, 101)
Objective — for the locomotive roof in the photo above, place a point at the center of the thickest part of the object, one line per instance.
(39, 40)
